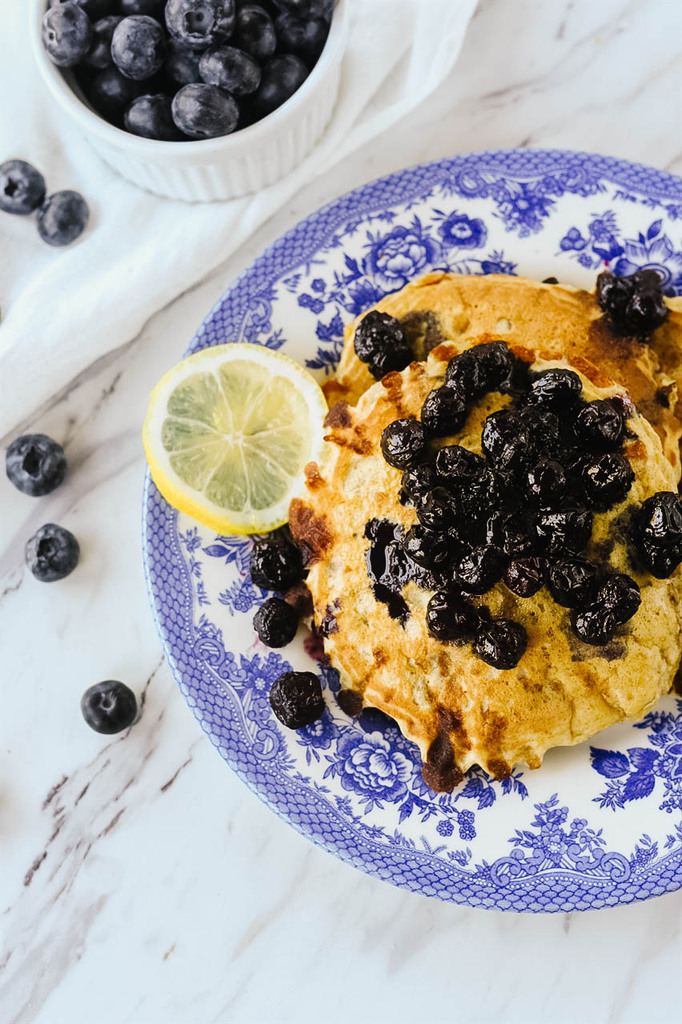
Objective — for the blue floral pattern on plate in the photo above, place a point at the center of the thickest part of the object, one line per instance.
(595, 826)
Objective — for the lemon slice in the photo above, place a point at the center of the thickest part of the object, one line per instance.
(228, 433)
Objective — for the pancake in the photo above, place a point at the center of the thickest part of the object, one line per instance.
(445, 699)
(551, 321)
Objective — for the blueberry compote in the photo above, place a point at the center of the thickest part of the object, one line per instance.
(522, 513)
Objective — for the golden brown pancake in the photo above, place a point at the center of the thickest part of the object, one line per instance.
(551, 321)
(450, 703)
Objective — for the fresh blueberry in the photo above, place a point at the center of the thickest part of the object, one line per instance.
(276, 564)
(306, 8)
(565, 531)
(457, 466)
(480, 570)
(556, 388)
(110, 93)
(599, 426)
(444, 412)
(99, 54)
(138, 47)
(572, 582)
(594, 626)
(52, 553)
(403, 443)
(22, 187)
(428, 548)
(296, 699)
(381, 343)
(501, 643)
(416, 482)
(275, 622)
(606, 480)
(282, 76)
(619, 595)
(200, 23)
(151, 117)
(255, 32)
(182, 64)
(231, 69)
(95, 9)
(204, 111)
(35, 464)
(154, 8)
(62, 217)
(66, 34)
(525, 576)
(109, 707)
(438, 509)
(657, 533)
(451, 618)
(304, 37)
(546, 483)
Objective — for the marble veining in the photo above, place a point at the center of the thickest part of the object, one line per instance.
(141, 881)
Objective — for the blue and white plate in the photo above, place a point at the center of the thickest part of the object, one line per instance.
(598, 824)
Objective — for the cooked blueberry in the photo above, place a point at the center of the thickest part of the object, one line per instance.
(154, 8)
(151, 117)
(498, 366)
(110, 93)
(350, 702)
(458, 466)
(464, 373)
(606, 480)
(52, 553)
(182, 64)
(63, 217)
(498, 429)
(381, 531)
(437, 510)
(403, 443)
(276, 564)
(599, 426)
(443, 412)
(594, 626)
(416, 482)
(282, 76)
(544, 426)
(563, 531)
(451, 617)
(546, 483)
(619, 595)
(296, 699)
(99, 54)
(380, 342)
(511, 532)
(138, 47)
(635, 304)
(200, 23)
(501, 643)
(480, 570)
(204, 111)
(508, 443)
(428, 548)
(572, 582)
(303, 36)
(231, 69)
(661, 562)
(22, 187)
(275, 622)
(556, 388)
(35, 464)
(657, 533)
(525, 576)
(255, 32)
(66, 34)
(109, 707)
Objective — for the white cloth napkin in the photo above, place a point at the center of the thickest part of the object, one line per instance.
(62, 309)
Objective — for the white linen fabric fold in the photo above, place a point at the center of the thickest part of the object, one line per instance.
(62, 309)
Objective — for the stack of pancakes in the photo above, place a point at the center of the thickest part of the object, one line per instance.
(562, 691)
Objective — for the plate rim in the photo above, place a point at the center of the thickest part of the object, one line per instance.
(400, 865)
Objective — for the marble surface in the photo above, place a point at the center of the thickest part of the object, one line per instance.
(141, 882)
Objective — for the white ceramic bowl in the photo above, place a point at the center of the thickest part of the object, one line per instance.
(211, 169)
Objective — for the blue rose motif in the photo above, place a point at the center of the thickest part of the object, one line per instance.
(399, 256)
(369, 766)
(463, 232)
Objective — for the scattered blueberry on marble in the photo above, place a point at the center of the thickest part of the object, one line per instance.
(35, 464)
(138, 47)
(52, 553)
(62, 218)
(22, 187)
(66, 34)
(109, 707)
(152, 118)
